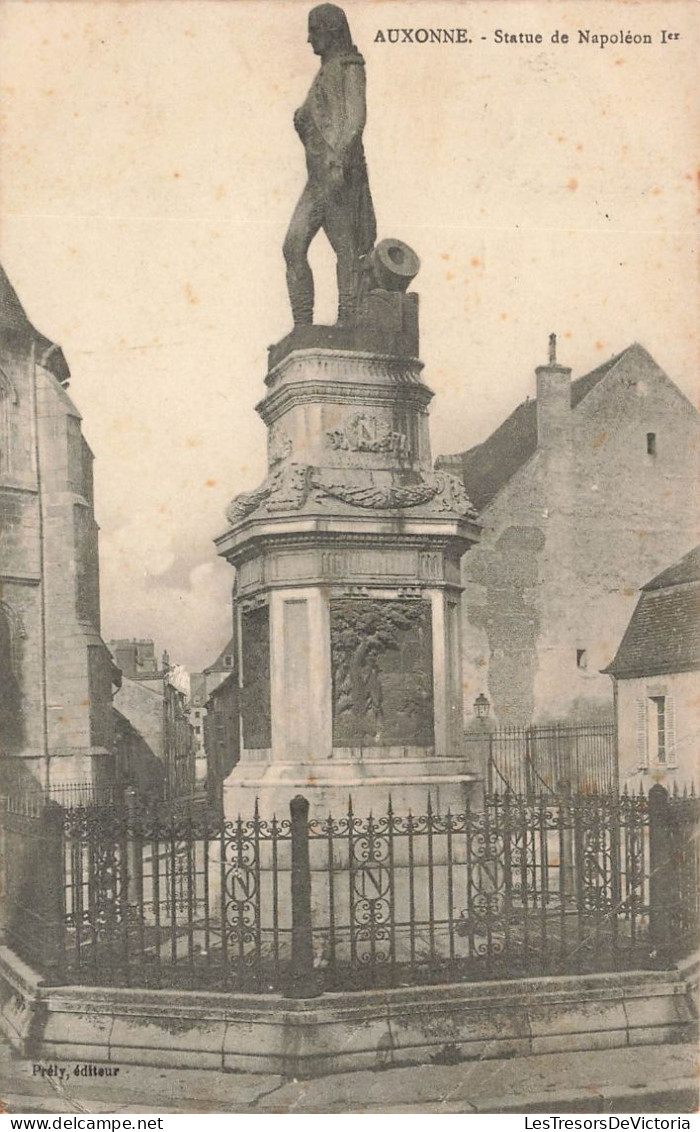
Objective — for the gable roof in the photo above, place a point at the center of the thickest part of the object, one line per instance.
(687, 570)
(663, 635)
(219, 664)
(488, 467)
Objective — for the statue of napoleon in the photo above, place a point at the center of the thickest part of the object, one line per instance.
(336, 197)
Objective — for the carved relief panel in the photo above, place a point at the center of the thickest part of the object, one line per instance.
(381, 657)
(366, 432)
(255, 692)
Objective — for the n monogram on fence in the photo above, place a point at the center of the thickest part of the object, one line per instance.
(527, 884)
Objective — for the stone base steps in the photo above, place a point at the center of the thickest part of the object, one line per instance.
(376, 1029)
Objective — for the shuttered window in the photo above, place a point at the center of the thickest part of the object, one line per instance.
(642, 742)
(670, 731)
(656, 730)
(657, 725)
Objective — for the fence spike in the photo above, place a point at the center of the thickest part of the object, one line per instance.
(390, 808)
(692, 789)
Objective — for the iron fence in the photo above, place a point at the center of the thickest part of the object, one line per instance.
(549, 758)
(552, 883)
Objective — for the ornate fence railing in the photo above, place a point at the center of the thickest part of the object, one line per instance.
(525, 885)
(547, 758)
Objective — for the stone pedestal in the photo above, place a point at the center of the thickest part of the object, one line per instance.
(346, 614)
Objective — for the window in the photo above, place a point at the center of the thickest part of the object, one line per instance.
(656, 729)
(228, 661)
(581, 658)
(657, 734)
(651, 443)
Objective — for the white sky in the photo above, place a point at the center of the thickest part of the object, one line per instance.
(148, 172)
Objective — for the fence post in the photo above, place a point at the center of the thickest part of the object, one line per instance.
(51, 877)
(134, 850)
(489, 765)
(3, 869)
(567, 841)
(661, 880)
(529, 777)
(303, 981)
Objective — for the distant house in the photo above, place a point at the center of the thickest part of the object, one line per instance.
(136, 658)
(221, 733)
(137, 765)
(155, 745)
(202, 684)
(656, 674)
(583, 493)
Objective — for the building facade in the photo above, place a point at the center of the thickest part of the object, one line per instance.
(136, 659)
(583, 493)
(56, 675)
(156, 752)
(202, 685)
(656, 677)
(222, 733)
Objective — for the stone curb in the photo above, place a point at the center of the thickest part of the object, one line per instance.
(673, 1097)
(678, 1096)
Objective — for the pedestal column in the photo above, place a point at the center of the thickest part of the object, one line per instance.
(348, 589)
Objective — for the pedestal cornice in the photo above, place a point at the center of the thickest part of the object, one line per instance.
(336, 363)
(309, 392)
(262, 535)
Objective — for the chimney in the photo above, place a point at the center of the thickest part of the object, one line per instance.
(553, 400)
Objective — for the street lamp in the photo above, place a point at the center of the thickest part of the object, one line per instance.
(482, 706)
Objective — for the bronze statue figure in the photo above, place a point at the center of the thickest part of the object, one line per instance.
(336, 197)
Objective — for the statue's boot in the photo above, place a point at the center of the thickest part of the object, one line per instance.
(300, 284)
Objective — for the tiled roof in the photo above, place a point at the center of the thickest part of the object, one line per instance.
(488, 467)
(663, 635)
(687, 570)
(219, 665)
